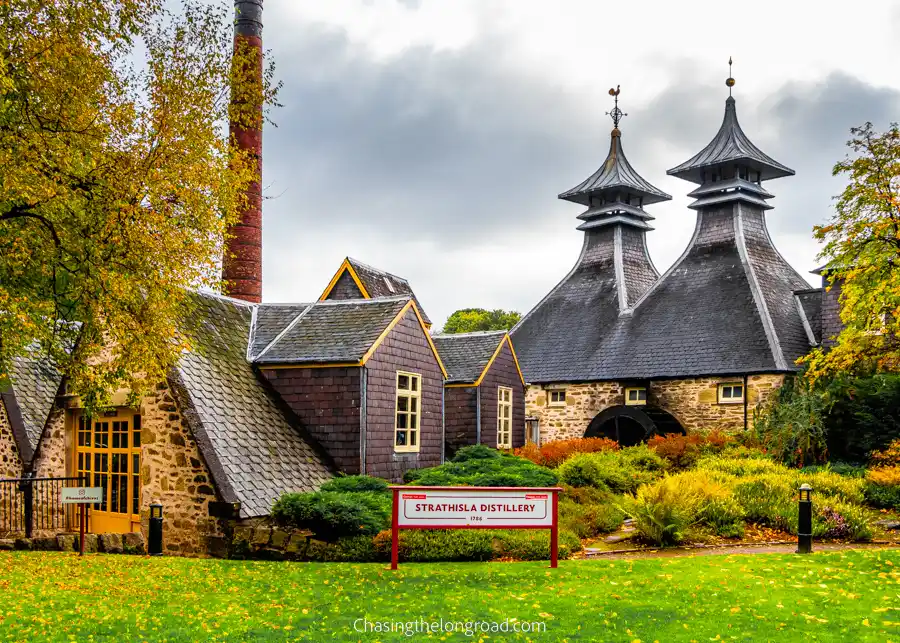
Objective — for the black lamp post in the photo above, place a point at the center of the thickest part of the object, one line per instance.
(804, 521)
(154, 542)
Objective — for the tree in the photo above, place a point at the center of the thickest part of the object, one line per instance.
(117, 179)
(862, 246)
(468, 320)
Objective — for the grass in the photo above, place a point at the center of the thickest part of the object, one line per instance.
(835, 596)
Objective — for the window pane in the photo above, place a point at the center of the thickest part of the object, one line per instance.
(401, 438)
(414, 404)
(412, 438)
(401, 420)
(403, 382)
(414, 421)
(136, 441)
(737, 391)
(415, 383)
(642, 394)
(632, 395)
(726, 392)
(402, 403)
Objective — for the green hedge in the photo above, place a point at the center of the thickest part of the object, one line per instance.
(480, 466)
(620, 471)
(331, 515)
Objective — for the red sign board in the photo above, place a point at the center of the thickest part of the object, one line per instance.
(475, 508)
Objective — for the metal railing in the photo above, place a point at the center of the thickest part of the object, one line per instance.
(28, 504)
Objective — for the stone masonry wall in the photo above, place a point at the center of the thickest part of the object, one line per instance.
(693, 402)
(173, 473)
(10, 463)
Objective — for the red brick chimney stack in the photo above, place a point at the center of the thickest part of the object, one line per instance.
(242, 263)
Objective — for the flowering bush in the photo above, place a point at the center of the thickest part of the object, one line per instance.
(555, 453)
(835, 524)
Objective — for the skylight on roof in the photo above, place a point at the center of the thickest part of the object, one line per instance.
(388, 283)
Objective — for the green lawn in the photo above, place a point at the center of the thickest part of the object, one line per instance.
(846, 596)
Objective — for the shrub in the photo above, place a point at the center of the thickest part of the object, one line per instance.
(683, 451)
(555, 453)
(741, 467)
(617, 471)
(589, 520)
(888, 457)
(474, 545)
(791, 423)
(359, 549)
(331, 516)
(476, 452)
(500, 470)
(356, 484)
(882, 487)
(864, 416)
(663, 512)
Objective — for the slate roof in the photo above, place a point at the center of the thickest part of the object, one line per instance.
(331, 331)
(254, 447)
(268, 321)
(810, 303)
(465, 355)
(616, 173)
(35, 382)
(730, 144)
(380, 283)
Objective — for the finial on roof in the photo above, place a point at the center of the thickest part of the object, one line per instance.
(729, 81)
(616, 113)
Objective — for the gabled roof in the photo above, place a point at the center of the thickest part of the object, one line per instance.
(342, 332)
(373, 283)
(33, 385)
(468, 356)
(253, 445)
(616, 173)
(728, 146)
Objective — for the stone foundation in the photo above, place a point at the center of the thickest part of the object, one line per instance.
(693, 402)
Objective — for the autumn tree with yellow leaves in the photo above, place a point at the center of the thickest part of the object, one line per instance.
(117, 179)
(862, 247)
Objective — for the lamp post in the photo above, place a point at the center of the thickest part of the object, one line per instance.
(154, 542)
(804, 520)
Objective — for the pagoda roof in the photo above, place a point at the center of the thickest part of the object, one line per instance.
(616, 174)
(730, 145)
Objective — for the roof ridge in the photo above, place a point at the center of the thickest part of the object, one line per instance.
(362, 264)
(283, 332)
(371, 300)
(471, 333)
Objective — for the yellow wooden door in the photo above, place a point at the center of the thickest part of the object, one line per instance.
(108, 455)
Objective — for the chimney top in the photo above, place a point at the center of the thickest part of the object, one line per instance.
(248, 17)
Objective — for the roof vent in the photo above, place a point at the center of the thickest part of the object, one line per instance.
(390, 286)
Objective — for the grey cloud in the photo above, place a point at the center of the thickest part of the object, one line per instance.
(456, 149)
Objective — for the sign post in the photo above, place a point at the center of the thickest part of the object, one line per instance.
(475, 508)
(84, 496)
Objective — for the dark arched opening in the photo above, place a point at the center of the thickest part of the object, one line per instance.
(631, 425)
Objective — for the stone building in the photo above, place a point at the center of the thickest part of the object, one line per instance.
(618, 350)
(484, 395)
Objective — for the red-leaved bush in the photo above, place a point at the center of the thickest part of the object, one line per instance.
(555, 453)
(683, 451)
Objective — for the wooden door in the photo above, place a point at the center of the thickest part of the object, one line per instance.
(108, 455)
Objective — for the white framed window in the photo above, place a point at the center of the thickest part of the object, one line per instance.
(636, 396)
(557, 397)
(504, 417)
(731, 393)
(408, 414)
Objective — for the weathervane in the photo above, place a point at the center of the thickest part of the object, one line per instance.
(616, 113)
(729, 81)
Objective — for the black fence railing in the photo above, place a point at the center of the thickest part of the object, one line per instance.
(29, 504)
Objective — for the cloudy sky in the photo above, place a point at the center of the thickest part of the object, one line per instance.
(431, 137)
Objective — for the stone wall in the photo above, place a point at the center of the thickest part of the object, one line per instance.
(693, 402)
(10, 463)
(173, 473)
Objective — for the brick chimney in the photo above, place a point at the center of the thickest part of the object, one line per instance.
(242, 261)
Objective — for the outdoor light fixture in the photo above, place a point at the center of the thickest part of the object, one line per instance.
(154, 541)
(804, 520)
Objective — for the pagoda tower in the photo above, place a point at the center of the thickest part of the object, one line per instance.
(613, 271)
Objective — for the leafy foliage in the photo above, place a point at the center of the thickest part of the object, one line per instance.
(356, 484)
(331, 515)
(889, 456)
(447, 545)
(478, 469)
(683, 451)
(791, 423)
(553, 454)
(119, 179)
(862, 245)
(468, 320)
(617, 471)
(882, 487)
